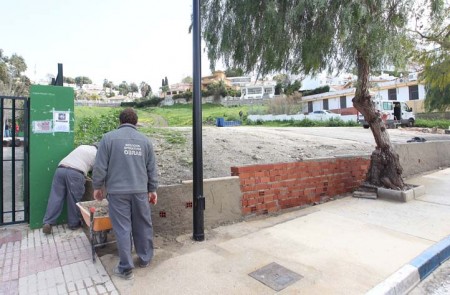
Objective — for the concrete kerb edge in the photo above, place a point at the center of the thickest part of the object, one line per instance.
(407, 277)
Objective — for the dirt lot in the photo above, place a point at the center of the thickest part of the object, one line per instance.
(224, 147)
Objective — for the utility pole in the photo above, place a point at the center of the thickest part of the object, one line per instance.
(198, 198)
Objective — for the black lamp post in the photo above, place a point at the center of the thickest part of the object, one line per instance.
(198, 198)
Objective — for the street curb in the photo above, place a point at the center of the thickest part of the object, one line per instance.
(407, 277)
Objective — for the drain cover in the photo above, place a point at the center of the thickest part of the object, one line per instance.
(275, 276)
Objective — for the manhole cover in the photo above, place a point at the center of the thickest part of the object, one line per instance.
(275, 276)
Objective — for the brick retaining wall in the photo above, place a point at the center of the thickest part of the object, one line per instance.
(272, 187)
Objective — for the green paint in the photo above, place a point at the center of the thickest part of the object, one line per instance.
(47, 149)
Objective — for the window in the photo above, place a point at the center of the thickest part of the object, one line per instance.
(343, 102)
(325, 104)
(387, 106)
(268, 90)
(310, 107)
(392, 94)
(257, 90)
(413, 92)
(405, 107)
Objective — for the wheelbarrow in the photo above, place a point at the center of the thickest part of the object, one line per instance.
(96, 217)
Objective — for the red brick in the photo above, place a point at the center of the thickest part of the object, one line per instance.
(268, 199)
(248, 188)
(250, 195)
(260, 173)
(261, 186)
(273, 209)
(260, 207)
(265, 179)
(247, 175)
(251, 202)
(246, 210)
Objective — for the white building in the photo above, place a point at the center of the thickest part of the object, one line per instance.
(340, 101)
(258, 90)
(240, 81)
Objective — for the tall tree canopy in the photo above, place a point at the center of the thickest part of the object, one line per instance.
(187, 79)
(133, 88)
(124, 88)
(12, 80)
(235, 72)
(81, 80)
(434, 56)
(310, 36)
(146, 89)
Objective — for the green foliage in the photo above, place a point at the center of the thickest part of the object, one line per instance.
(69, 80)
(234, 92)
(306, 123)
(283, 105)
(128, 104)
(291, 88)
(234, 72)
(181, 114)
(305, 36)
(146, 89)
(90, 129)
(187, 80)
(152, 102)
(435, 59)
(81, 80)
(124, 88)
(318, 90)
(133, 88)
(217, 90)
(186, 95)
(444, 124)
(170, 136)
(437, 98)
(143, 103)
(12, 82)
(278, 88)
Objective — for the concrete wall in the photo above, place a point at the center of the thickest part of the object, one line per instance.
(420, 157)
(267, 188)
(173, 213)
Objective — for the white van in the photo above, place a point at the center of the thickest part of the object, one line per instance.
(393, 113)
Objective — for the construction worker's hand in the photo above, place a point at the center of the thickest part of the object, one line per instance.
(152, 198)
(98, 194)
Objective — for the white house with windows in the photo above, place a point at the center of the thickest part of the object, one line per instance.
(258, 90)
(340, 101)
(239, 81)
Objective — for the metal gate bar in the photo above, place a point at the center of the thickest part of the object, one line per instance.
(1, 159)
(13, 160)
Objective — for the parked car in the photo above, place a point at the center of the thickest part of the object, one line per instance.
(322, 115)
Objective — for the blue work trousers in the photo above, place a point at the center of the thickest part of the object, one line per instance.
(68, 185)
(131, 220)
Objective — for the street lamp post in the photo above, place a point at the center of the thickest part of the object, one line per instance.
(198, 198)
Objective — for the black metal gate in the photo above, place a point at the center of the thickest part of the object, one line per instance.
(14, 187)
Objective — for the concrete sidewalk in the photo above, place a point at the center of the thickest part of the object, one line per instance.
(347, 246)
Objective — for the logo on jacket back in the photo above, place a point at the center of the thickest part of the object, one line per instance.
(132, 149)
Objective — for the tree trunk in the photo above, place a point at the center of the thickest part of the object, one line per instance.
(385, 169)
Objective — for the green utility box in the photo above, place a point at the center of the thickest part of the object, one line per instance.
(51, 139)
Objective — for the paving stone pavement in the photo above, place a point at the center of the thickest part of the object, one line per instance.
(34, 263)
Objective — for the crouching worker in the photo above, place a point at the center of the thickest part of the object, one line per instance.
(68, 184)
(126, 165)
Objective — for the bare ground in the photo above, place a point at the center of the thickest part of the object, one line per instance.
(225, 147)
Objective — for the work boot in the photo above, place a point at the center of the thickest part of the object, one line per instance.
(143, 264)
(47, 229)
(74, 227)
(127, 274)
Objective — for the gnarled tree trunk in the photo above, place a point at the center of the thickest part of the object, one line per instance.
(385, 169)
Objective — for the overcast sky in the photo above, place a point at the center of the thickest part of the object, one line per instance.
(133, 40)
